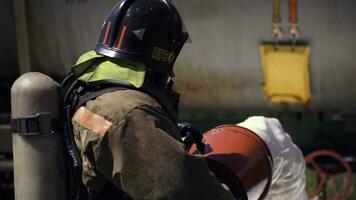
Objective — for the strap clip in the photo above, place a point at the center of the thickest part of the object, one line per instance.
(40, 124)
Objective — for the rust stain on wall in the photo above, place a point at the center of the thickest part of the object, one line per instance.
(201, 89)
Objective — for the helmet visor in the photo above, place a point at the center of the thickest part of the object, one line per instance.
(184, 27)
(185, 32)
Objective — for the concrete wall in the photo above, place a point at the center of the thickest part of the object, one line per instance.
(221, 68)
(224, 53)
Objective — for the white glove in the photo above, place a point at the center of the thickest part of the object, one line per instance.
(288, 181)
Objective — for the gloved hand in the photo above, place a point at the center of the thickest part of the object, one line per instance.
(191, 135)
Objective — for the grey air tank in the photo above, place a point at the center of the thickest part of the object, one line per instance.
(39, 172)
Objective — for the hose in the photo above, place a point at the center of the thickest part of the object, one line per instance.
(293, 11)
(277, 12)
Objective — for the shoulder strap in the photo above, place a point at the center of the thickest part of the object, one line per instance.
(90, 95)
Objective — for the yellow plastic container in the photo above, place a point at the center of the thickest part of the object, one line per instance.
(286, 73)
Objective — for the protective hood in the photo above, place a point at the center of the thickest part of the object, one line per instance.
(92, 67)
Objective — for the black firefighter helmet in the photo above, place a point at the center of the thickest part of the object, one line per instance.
(147, 31)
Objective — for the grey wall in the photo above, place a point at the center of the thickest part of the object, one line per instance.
(224, 54)
(59, 31)
(221, 68)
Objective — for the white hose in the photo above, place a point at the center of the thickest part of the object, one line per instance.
(288, 181)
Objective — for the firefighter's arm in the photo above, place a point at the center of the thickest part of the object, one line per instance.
(149, 162)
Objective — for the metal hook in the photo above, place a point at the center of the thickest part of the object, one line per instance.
(277, 34)
(294, 34)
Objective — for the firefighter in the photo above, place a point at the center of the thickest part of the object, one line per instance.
(127, 136)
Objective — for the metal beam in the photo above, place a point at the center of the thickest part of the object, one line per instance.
(6, 165)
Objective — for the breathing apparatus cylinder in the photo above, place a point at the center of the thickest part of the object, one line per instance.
(39, 171)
